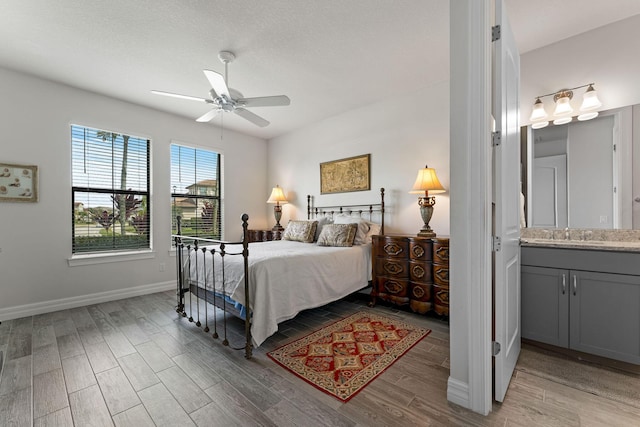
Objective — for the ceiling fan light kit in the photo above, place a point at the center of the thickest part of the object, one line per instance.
(228, 100)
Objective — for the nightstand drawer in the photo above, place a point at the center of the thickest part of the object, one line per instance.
(420, 292)
(391, 267)
(441, 274)
(441, 300)
(398, 288)
(440, 251)
(391, 247)
(420, 272)
(420, 250)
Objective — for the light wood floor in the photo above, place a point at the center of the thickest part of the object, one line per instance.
(133, 362)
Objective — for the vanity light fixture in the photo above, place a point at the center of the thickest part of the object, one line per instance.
(426, 181)
(563, 109)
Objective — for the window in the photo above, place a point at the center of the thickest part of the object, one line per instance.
(195, 192)
(110, 191)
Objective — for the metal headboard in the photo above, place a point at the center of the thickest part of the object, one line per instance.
(365, 210)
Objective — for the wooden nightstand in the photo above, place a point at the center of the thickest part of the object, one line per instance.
(263, 235)
(441, 276)
(403, 271)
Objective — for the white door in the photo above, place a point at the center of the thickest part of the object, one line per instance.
(549, 196)
(506, 188)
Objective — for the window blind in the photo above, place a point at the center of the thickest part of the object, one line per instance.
(110, 191)
(195, 191)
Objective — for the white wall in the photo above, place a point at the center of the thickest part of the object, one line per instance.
(35, 238)
(607, 56)
(402, 135)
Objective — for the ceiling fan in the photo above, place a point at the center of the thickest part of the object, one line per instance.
(225, 99)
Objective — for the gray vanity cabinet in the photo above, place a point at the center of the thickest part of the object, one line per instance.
(545, 305)
(581, 308)
(604, 315)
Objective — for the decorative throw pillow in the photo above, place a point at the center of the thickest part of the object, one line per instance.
(300, 231)
(337, 235)
(322, 221)
(363, 226)
(373, 229)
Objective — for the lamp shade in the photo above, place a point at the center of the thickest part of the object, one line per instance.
(538, 112)
(563, 106)
(588, 116)
(277, 196)
(562, 120)
(590, 100)
(427, 180)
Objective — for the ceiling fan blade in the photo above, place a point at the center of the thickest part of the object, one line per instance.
(253, 118)
(206, 117)
(265, 101)
(216, 80)
(177, 95)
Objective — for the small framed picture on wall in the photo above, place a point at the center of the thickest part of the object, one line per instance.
(18, 183)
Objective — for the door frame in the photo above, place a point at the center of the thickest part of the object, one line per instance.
(470, 376)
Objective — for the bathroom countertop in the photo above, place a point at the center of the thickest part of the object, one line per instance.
(600, 245)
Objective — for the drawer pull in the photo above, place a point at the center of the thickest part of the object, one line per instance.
(393, 249)
(443, 252)
(564, 284)
(393, 287)
(393, 268)
(417, 251)
(418, 271)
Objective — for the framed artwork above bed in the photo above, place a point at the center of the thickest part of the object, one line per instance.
(345, 175)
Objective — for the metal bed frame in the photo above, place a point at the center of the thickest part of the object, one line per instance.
(186, 245)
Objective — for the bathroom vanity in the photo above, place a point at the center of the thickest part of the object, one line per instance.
(582, 295)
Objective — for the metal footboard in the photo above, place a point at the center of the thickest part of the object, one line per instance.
(195, 295)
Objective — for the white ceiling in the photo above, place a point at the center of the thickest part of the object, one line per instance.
(328, 56)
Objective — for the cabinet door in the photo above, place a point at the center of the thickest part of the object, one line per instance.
(605, 314)
(545, 305)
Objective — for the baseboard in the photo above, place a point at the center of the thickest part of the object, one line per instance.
(79, 301)
(458, 393)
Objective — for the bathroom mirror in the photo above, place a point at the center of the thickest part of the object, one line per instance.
(580, 175)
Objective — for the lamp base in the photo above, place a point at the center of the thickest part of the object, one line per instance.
(278, 227)
(428, 234)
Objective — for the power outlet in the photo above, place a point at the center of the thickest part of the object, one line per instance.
(603, 219)
(161, 266)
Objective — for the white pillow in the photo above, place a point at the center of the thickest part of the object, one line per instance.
(363, 226)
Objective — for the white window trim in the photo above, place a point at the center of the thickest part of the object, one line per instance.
(109, 257)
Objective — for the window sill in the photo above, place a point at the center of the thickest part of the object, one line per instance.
(90, 259)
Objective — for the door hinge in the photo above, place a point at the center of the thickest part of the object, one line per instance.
(496, 243)
(614, 147)
(495, 33)
(495, 348)
(496, 138)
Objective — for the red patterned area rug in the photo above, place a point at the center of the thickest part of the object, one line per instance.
(343, 357)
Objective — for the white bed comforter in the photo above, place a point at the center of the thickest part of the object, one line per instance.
(286, 277)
